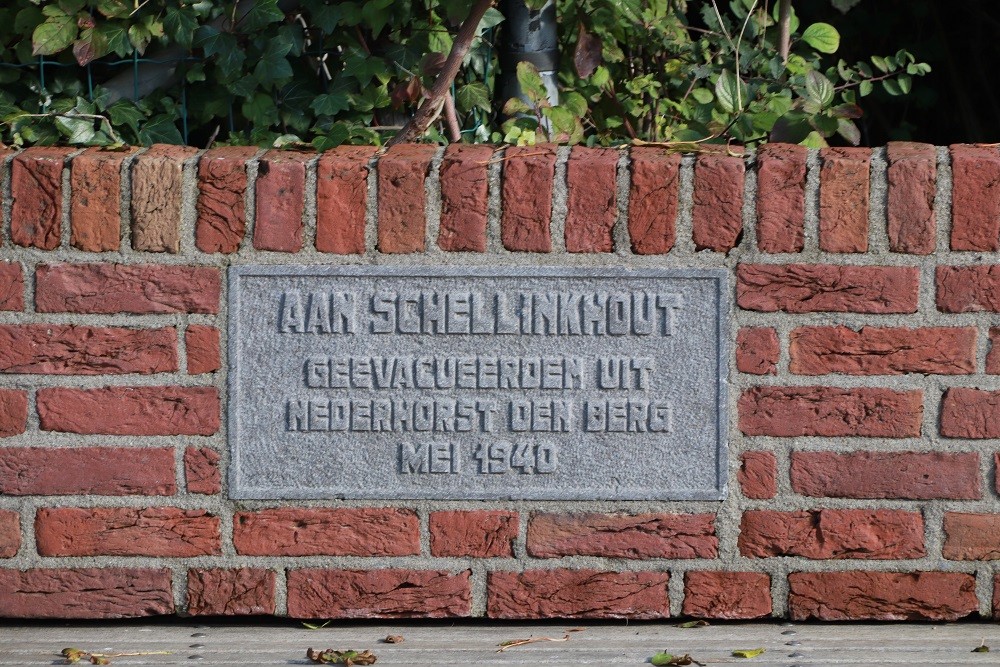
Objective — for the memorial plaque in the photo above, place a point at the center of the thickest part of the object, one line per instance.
(477, 383)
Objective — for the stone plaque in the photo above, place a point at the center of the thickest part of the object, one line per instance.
(477, 383)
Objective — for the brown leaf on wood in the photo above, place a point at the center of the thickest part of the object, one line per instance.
(406, 92)
(432, 63)
(587, 56)
(333, 657)
(393, 639)
(511, 643)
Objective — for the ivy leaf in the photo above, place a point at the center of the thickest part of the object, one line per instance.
(180, 25)
(260, 14)
(114, 37)
(115, 9)
(335, 136)
(473, 96)
(532, 85)
(823, 37)
(330, 104)
(125, 112)
(214, 42)
(273, 66)
(819, 88)
(160, 130)
(55, 34)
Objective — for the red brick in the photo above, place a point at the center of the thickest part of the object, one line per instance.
(95, 205)
(280, 200)
(85, 593)
(10, 533)
(402, 222)
(993, 356)
(975, 206)
(221, 205)
(119, 288)
(591, 201)
(896, 475)
(314, 593)
(996, 596)
(781, 197)
(342, 199)
(622, 535)
(817, 288)
(843, 199)
(366, 531)
(526, 207)
(87, 471)
(968, 289)
(652, 205)
(66, 349)
(130, 410)
(717, 215)
(36, 194)
(971, 536)
(824, 534)
(727, 595)
(157, 193)
(912, 176)
(201, 470)
(563, 593)
(13, 412)
(758, 475)
(126, 531)
(883, 350)
(757, 351)
(881, 596)
(202, 343)
(11, 287)
(475, 534)
(238, 592)
(464, 197)
(831, 412)
(970, 413)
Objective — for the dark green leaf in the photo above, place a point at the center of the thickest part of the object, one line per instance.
(180, 24)
(273, 67)
(125, 113)
(260, 14)
(160, 130)
(115, 9)
(471, 96)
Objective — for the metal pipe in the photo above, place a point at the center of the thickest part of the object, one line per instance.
(529, 35)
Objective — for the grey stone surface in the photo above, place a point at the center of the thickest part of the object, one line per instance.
(477, 383)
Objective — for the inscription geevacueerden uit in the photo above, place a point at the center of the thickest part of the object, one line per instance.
(453, 383)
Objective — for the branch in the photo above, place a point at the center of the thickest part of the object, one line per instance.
(425, 115)
(784, 29)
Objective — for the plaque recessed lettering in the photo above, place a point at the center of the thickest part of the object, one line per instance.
(477, 383)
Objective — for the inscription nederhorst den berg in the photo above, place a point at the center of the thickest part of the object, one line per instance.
(485, 383)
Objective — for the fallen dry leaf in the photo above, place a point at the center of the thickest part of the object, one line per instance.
(512, 643)
(665, 659)
(748, 653)
(393, 639)
(693, 624)
(348, 657)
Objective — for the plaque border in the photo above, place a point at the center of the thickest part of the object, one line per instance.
(240, 491)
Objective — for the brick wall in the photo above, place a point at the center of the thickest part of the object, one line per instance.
(863, 444)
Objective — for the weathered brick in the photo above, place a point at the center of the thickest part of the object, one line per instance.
(85, 593)
(881, 596)
(993, 356)
(912, 176)
(201, 470)
(36, 197)
(758, 475)
(968, 289)
(824, 534)
(402, 222)
(526, 198)
(280, 200)
(727, 595)
(221, 205)
(13, 412)
(640, 536)
(831, 412)
(314, 593)
(289, 531)
(473, 533)
(464, 197)
(342, 199)
(717, 214)
(652, 205)
(126, 531)
(11, 286)
(970, 413)
(971, 536)
(119, 288)
(897, 475)
(202, 343)
(563, 593)
(883, 350)
(813, 288)
(10, 533)
(130, 410)
(237, 592)
(66, 349)
(157, 193)
(591, 200)
(781, 197)
(95, 205)
(87, 471)
(843, 199)
(975, 206)
(757, 351)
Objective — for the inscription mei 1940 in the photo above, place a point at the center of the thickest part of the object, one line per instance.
(449, 383)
